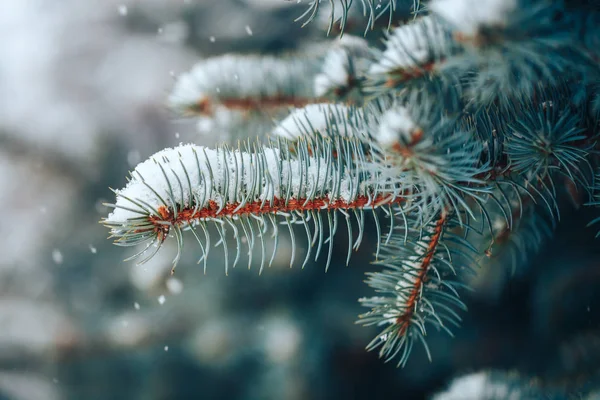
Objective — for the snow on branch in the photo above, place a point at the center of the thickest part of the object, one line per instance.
(412, 50)
(412, 67)
(441, 162)
(471, 17)
(398, 131)
(344, 70)
(508, 48)
(245, 83)
(245, 190)
(416, 289)
(491, 385)
(323, 119)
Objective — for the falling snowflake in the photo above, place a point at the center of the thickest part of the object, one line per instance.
(57, 256)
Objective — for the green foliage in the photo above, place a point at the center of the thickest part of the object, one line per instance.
(471, 130)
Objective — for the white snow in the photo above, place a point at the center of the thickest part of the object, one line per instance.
(477, 386)
(335, 72)
(408, 282)
(468, 16)
(321, 118)
(161, 299)
(240, 77)
(403, 290)
(412, 45)
(193, 176)
(212, 177)
(347, 60)
(465, 387)
(396, 124)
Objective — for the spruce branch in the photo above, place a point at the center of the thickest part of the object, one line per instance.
(412, 64)
(344, 71)
(511, 47)
(323, 119)
(548, 139)
(442, 164)
(510, 241)
(192, 186)
(465, 133)
(412, 49)
(416, 288)
(340, 11)
(244, 83)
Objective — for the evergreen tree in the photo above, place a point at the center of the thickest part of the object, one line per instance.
(460, 141)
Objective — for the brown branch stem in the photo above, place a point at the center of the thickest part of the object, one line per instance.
(404, 320)
(191, 214)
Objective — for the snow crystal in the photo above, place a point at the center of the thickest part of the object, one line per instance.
(93, 249)
(136, 305)
(161, 299)
(122, 9)
(248, 30)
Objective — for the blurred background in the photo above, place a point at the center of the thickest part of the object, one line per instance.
(82, 92)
